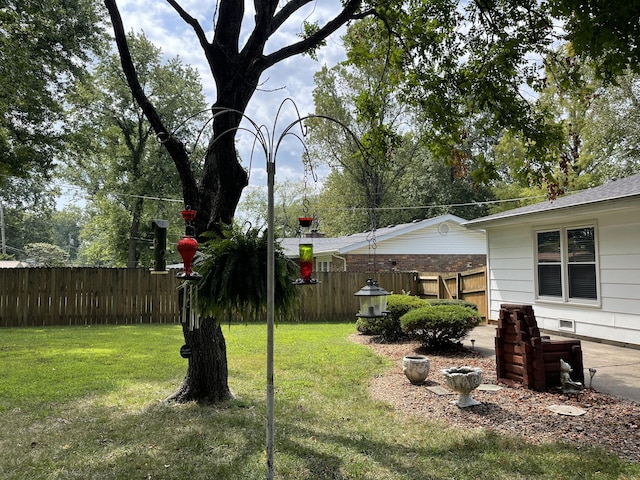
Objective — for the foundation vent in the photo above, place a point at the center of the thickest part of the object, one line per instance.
(567, 324)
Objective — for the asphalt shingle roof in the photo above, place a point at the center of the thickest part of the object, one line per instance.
(349, 242)
(628, 187)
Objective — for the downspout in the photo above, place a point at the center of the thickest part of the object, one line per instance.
(344, 261)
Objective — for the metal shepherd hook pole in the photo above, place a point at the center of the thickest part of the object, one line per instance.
(271, 172)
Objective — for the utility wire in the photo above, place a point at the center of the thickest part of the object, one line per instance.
(416, 207)
(419, 207)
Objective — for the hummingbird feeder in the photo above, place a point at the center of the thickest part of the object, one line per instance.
(305, 256)
(187, 247)
(305, 222)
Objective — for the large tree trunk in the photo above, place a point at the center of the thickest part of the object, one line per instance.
(223, 180)
(206, 378)
(220, 190)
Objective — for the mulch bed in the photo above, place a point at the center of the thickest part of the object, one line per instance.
(609, 422)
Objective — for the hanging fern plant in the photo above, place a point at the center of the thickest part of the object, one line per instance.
(234, 276)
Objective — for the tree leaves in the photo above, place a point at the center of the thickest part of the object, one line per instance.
(44, 49)
(605, 32)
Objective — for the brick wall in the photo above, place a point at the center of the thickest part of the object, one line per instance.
(413, 263)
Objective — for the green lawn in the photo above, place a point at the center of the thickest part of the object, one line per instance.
(85, 403)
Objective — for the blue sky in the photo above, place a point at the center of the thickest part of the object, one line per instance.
(292, 78)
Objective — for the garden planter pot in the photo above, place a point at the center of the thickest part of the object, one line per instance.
(463, 380)
(416, 368)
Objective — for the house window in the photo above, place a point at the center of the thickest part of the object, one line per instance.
(323, 266)
(566, 261)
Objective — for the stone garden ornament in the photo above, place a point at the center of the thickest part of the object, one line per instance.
(463, 380)
(416, 368)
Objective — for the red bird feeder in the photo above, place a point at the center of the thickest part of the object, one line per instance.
(188, 246)
(188, 215)
(305, 222)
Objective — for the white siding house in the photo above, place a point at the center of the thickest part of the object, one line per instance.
(438, 244)
(576, 260)
(12, 264)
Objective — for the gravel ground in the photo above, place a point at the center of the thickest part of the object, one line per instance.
(609, 422)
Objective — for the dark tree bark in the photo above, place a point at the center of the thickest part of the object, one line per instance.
(206, 378)
(236, 72)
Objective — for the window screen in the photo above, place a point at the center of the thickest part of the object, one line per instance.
(567, 255)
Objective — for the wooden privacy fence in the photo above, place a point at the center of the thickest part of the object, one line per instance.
(90, 296)
(470, 286)
(333, 298)
(86, 296)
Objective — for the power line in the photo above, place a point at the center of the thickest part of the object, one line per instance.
(416, 207)
(420, 207)
(144, 197)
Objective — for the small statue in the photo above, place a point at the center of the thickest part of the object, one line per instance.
(568, 385)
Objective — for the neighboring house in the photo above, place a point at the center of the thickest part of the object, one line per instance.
(439, 244)
(576, 260)
(12, 264)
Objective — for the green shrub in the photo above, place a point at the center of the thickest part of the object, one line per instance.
(440, 326)
(398, 305)
(368, 326)
(389, 326)
(462, 303)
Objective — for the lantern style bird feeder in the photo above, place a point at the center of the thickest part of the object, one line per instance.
(373, 300)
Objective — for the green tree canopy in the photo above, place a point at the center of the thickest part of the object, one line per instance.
(604, 32)
(600, 142)
(44, 50)
(393, 172)
(611, 135)
(46, 255)
(371, 154)
(29, 206)
(118, 158)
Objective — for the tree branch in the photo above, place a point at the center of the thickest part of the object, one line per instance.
(228, 26)
(349, 12)
(190, 21)
(285, 12)
(175, 148)
(263, 28)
